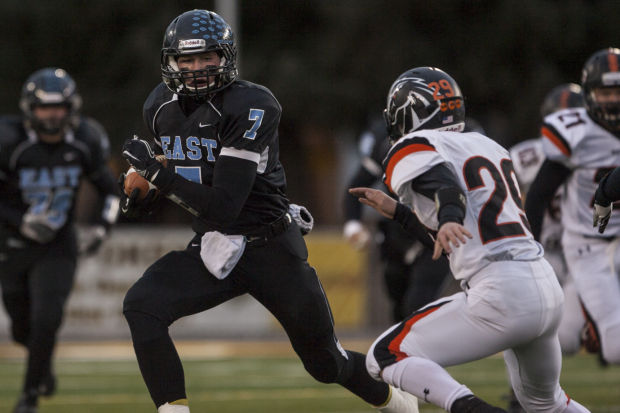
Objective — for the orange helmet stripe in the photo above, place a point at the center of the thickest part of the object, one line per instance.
(612, 60)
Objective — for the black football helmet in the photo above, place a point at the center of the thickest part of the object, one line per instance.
(198, 31)
(424, 98)
(602, 70)
(46, 87)
(567, 95)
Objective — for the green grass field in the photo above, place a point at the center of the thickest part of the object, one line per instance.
(274, 385)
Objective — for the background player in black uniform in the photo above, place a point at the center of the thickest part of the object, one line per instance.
(43, 157)
(219, 135)
(411, 277)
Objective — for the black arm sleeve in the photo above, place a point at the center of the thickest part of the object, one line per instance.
(609, 188)
(549, 178)
(410, 222)
(440, 177)
(436, 178)
(428, 184)
(352, 207)
(106, 185)
(233, 179)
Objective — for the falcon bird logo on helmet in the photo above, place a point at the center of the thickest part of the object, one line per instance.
(48, 87)
(424, 98)
(193, 32)
(602, 71)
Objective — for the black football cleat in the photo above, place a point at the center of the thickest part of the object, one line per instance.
(47, 387)
(27, 403)
(472, 404)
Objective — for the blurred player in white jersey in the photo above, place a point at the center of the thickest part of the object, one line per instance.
(527, 157)
(581, 146)
(463, 186)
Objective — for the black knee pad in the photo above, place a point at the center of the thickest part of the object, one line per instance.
(325, 365)
(144, 327)
(20, 333)
(140, 298)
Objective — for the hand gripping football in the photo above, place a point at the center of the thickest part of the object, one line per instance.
(133, 180)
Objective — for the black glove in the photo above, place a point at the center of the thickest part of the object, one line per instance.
(131, 206)
(602, 208)
(140, 155)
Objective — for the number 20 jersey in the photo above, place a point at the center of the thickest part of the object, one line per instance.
(590, 151)
(494, 213)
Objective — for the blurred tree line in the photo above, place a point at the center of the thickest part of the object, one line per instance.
(330, 64)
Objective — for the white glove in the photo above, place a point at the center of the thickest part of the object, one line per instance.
(356, 234)
(38, 227)
(601, 215)
(90, 239)
(302, 217)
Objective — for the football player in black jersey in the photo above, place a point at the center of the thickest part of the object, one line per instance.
(219, 135)
(411, 277)
(44, 154)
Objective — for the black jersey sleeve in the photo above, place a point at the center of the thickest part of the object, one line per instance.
(159, 97)
(542, 190)
(221, 203)
(352, 207)
(369, 171)
(10, 127)
(609, 188)
(98, 173)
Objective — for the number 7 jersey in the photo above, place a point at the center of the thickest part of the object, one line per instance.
(590, 152)
(494, 213)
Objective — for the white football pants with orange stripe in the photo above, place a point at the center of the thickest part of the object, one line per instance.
(510, 306)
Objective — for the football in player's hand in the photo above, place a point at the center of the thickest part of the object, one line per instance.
(132, 181)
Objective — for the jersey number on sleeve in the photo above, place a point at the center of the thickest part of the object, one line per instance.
(490, 229)
(257, 116)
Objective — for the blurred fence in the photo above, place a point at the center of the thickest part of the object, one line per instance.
(94, 310)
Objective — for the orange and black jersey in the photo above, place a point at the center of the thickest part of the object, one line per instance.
(223, 155)
(44, 178)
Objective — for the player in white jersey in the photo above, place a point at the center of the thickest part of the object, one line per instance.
(581, 146)
(527, 157)
(463, 186)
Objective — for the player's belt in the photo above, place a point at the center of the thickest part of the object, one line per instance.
(606, 239)
(274, 229)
